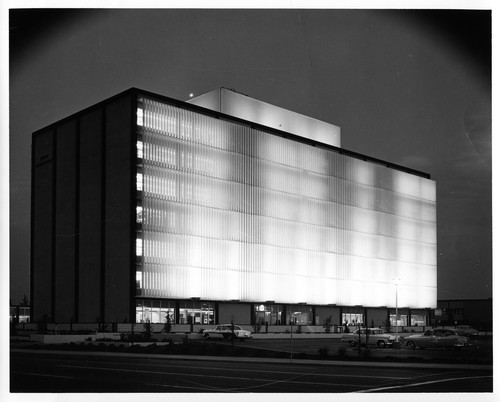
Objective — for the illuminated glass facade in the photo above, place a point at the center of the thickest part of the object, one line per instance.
(230, 212)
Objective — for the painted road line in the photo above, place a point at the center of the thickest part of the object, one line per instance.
(214, 376)
(422, 383)
(43, 375)
(257, 370)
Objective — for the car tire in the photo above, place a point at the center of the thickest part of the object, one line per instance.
(352, 343)
(207, 337)
(381, 344)
(411, 345)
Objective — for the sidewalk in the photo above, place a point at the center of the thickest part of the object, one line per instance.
(267, 360)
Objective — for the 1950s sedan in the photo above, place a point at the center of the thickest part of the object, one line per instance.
(372, 336)
(466, 330)
(227, 331)
(436, 338)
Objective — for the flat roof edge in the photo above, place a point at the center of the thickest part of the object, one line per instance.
(212, 113)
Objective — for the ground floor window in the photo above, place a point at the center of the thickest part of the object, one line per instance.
(154, 311)
(20, 314)
(418, 320)
(402, 320)
(195, 312)
(299, 315)
(271, 314)
(353, 318)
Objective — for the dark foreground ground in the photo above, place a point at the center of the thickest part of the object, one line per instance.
(82, 372)
(254, 366)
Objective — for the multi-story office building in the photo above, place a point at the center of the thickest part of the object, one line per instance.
(223, 208)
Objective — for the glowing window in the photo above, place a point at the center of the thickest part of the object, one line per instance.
(138, 279)
(400, 322)
(139, 181)
(352, 318)
(138, 247)
(139, 149)
(140, 117)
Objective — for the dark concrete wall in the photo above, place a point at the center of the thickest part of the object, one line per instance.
(118, 211)
(90, 252)
(378, 316)
(42, 229)
(83, 209)
(65, 222)
(241, 313)
(322, 313)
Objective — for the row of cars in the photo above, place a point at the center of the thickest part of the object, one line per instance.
(431, 338)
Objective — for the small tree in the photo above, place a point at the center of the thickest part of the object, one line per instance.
(388, 325)
(167, 328)
(101, 325)
(328, 325)
(25, 302)
(147, 330)
(257, 325)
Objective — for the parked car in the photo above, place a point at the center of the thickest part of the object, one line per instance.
(466, 330)
(375, 336)
(227, 331)
(436, 338)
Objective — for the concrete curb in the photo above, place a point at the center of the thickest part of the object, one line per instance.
(266, 360)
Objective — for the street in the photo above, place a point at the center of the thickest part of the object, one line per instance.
(51, 371)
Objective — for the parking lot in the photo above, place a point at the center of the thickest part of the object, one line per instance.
(480, 349)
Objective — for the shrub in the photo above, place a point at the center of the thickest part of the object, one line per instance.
(42, 324)
(147, 330)
(366, 354)
(13, 327)
(341, 352)
(328, 324)
(323, 352)
(101, 326)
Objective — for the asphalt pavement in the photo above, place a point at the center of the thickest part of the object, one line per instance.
(63, 371)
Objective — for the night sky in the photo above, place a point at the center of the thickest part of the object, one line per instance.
(408, 87)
